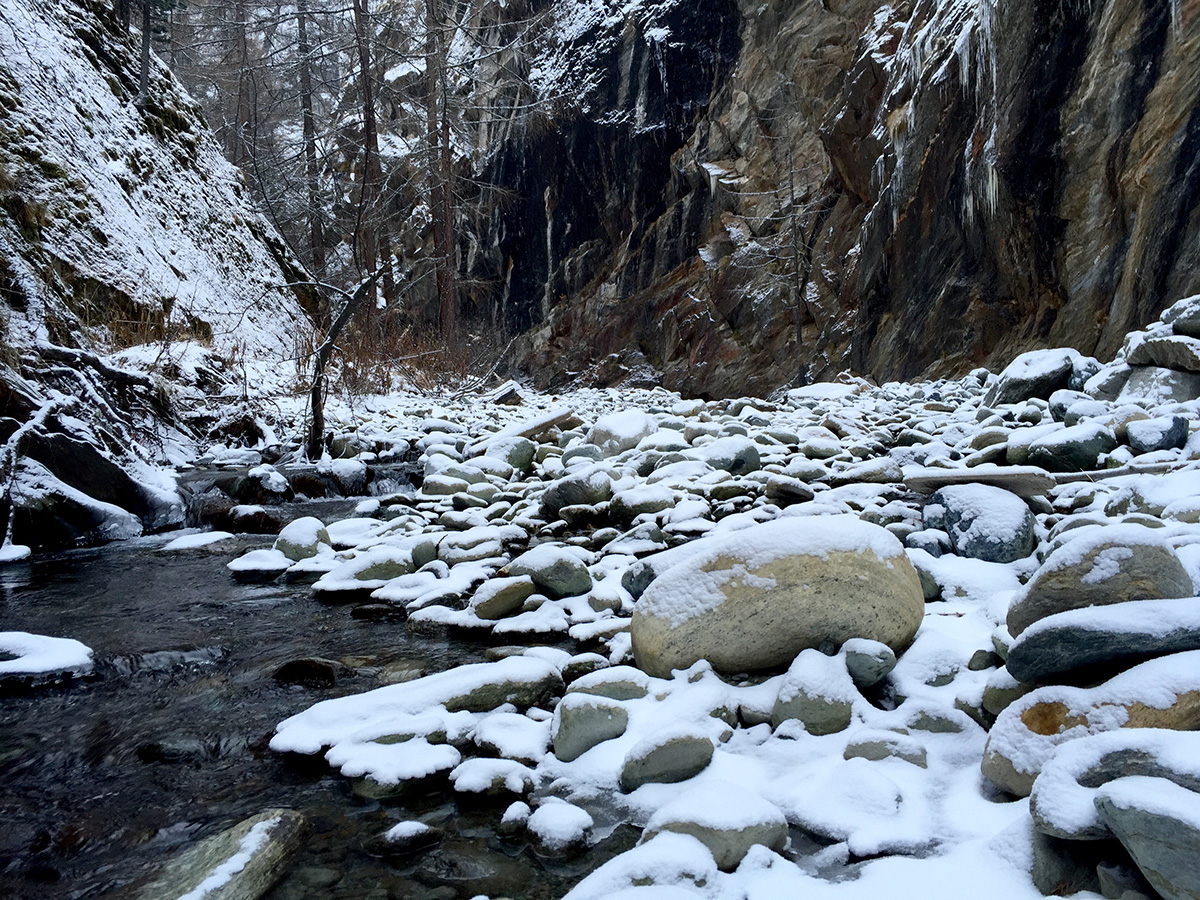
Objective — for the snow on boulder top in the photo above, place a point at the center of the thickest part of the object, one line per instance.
(620, 431)
(694, 586)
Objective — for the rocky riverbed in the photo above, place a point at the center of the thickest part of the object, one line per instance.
(860, 639)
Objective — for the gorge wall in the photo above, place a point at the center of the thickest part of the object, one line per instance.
(971, 178)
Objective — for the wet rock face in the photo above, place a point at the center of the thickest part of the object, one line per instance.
(973, 180)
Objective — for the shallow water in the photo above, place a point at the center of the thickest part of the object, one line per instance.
(103, 779)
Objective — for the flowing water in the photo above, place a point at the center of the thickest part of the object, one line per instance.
(103, 779)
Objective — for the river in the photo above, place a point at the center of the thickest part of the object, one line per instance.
(103, 779)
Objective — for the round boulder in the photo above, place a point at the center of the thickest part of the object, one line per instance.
(753, 599)
(983, 522)
(1102, 565)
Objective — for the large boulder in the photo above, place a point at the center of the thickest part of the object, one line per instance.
(1098, 567)
(619, 431)
(1159, 824)
(751, 600)
(726, 819)
(1081, 643)
(1038, 373)
(1161, 693)
(983, 522)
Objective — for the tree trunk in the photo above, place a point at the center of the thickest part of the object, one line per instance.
(243, 152)
(316, 234)
(375, 244)
(144, 71)
(315, 445)
(439, 172)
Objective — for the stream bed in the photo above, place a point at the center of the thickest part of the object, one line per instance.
(104, 779)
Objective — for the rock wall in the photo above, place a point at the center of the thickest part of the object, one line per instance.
(921, 187)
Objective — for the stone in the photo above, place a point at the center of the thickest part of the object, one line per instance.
(262, 485)
(628, 504)
(1161, 693)
(1001, 690)
(619, 431)
(880, 470)
(250, 519)
(311, 672)
(817, 690)
(559, 828)
(1037, 373)
(867, 661)
(262, 845)
(1167, 351)
(614, 682)
(404, 839)
(1062, 803)
(302, 538)
(877, 746)
(1073, 449)
(727, 819)
(1061, 868)
(521, 692)
(581, 721)
(1158, 822)
(553, 569)
(665, 757)
(751, 600)
(1164, 433)
(1154, 385)
(518, 452)
(588, 487)
(1118, 880)
(1098, 567)
(1101, 640)
(983, 522)
(735, 455)
(1108, 383)
(500, 597)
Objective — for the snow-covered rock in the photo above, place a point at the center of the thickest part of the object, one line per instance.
(753, 599)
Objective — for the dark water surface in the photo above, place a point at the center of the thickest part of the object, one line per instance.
(102, 780)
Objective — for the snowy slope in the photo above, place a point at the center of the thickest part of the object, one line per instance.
(118, 211)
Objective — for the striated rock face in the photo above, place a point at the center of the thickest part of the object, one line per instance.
(970, 180)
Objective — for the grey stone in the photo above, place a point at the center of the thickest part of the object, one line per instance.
(520, 692)
(887, 746)
(1156, 821)
(817, 690)
(1061, 401)
(552, 568)
(1063, 867)
(585, 488)
(1108, 383)
(581, 721)
(1024, 481)
(502, 597)
(665, 758)
(1168, 351)
(1157, 385)
(1038, 373)
(867, 661)
(1117, 881)
(983, 522)
(614, 682)
(1165, 433)
(1109, 639)
(278, 832)
(820, 580)
(1074, 449)
(734, 821)
(735, 455)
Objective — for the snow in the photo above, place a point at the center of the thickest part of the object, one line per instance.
(1156, 796)
(37, 654)
(559, 824)
(199, 539)
(719, 805)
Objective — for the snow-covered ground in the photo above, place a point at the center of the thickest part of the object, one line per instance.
(866, 766)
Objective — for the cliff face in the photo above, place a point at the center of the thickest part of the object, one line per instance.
(922, 187)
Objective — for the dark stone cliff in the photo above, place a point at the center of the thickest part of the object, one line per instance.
(970, 179)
